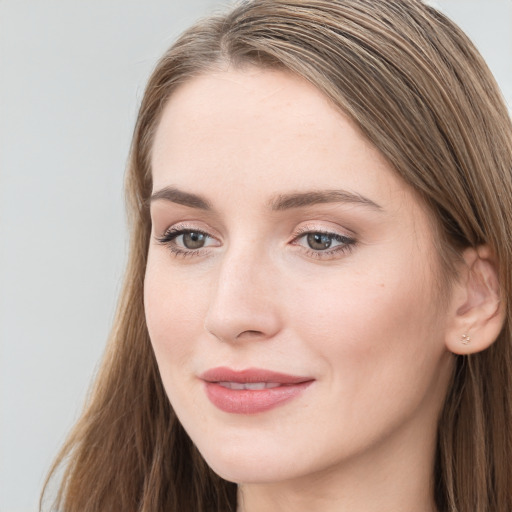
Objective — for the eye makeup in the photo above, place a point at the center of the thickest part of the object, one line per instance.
(186, 240)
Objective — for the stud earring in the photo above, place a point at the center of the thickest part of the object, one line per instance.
(465, 339)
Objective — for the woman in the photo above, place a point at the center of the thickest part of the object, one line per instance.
(316, 312)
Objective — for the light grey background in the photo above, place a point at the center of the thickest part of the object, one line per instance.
(72, 74)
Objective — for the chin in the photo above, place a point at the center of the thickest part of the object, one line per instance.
(237, 465)
(245, 472)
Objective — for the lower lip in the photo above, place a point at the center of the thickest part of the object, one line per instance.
(246, 401)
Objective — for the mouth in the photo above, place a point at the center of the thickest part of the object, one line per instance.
(253, 390)
(254, 386)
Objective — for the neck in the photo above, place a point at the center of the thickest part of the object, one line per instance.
(396, 476)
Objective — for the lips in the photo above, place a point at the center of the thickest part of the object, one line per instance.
(251, 391)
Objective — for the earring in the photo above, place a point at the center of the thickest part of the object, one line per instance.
(465, 339)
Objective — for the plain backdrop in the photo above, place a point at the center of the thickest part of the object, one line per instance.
(72, 73)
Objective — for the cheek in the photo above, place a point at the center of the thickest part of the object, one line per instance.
(379, 346)
(175, 312)
(374, 323)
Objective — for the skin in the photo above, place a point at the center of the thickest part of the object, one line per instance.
(363, 318)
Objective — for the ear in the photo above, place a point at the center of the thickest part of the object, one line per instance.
(477, 313)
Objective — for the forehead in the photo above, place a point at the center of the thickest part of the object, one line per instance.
(264, 131)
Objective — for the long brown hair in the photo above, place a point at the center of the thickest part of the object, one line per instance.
(422, 94)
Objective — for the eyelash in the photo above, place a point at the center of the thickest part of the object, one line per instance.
(346, 243)
(169, 237)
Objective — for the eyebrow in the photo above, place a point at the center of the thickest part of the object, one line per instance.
(175, 195)
(279, 203)
(301, 199)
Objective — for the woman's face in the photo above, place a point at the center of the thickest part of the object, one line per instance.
(291, 292)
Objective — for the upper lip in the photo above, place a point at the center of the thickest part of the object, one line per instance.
(223, 374)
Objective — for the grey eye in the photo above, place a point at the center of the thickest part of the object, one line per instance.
(194, 240)
(319, 241)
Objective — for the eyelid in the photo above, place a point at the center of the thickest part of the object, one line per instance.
(188, 226)
(174, 232)
(321, 227)
(344, 238)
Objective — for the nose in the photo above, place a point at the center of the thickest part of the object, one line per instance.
(243, 303)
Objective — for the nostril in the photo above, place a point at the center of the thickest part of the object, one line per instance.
(249, 334)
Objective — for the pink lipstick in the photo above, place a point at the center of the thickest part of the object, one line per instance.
(251, 391)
